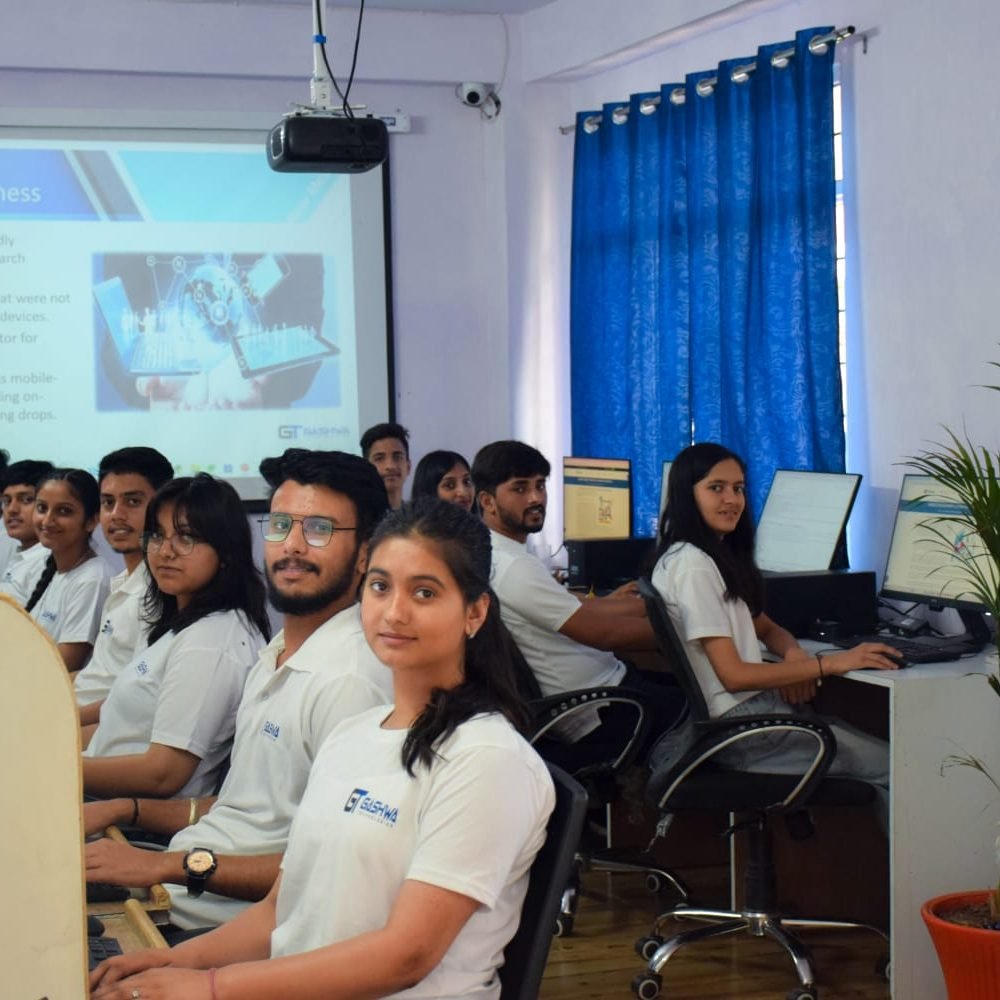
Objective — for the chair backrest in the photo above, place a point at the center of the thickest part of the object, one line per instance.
(528, 950)
(672, 647)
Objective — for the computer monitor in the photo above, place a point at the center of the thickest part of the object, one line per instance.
(923, 565)
(597, 499)
(803, 520)
(664, 479)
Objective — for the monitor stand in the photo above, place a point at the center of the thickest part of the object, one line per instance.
(976, 635)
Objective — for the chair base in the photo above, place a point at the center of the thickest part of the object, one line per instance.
(722, 922)
(613, 862)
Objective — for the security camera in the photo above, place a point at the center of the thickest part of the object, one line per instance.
(473, 94)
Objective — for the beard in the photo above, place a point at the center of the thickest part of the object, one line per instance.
(519, 524)
(307, 604)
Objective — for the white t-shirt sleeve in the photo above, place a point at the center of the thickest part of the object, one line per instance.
(201, 691)
(698, 595)
(488, 796)
(330, 702)
(528, 589)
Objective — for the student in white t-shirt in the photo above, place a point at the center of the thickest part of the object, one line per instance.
(66, 600)
(24, 559)
(409, 856)
(167, 724)
(128, 479)
(714, 594)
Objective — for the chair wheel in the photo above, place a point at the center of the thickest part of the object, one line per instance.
(564, 926)
(646, 947)
(646, 986)
(803, 993)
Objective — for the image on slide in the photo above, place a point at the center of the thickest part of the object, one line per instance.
(200, 331)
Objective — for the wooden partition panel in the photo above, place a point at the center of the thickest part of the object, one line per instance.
(43, 949)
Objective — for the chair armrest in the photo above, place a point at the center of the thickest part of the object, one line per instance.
(549, 712)
(721, 734)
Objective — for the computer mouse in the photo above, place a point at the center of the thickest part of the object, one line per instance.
(900, 660)
(95, 927)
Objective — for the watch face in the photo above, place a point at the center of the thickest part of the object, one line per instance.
(199, 861)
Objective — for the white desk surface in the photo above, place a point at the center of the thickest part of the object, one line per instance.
(944, 820)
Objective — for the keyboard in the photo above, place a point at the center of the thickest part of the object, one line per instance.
(100, 948)
(930, 649)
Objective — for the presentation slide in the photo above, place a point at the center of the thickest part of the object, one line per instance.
(180, 294)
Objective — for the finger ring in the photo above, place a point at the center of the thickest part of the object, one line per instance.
(136, 994)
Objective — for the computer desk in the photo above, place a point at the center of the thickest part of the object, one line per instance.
(943, 820)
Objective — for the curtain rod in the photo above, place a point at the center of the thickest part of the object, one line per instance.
(818, 45)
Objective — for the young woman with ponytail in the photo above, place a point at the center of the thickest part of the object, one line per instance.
(67, 598)
(408, 858)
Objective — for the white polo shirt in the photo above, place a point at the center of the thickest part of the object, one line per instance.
(183, 692)
(470, 823)
(70, 608)
(122, 635)
(284, 717)
(23, 570)
(534, 607)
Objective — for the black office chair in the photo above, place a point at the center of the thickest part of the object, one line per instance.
(696, 783)
(528, 950)
(598, 775)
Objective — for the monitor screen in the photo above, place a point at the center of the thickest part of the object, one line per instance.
(664, 479)
(803, 519)
(597, 499)
(925, 566)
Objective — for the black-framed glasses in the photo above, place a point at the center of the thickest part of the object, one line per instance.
(183, 542)
(317, 531)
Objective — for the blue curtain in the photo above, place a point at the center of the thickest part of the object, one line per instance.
(703, 288)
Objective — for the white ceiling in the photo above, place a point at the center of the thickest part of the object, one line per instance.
(438, 6)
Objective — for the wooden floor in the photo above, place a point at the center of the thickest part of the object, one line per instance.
(598, 961)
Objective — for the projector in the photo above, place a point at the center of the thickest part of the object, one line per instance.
(332, 144)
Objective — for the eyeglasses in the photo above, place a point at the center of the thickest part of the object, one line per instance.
(317, 531)
(182, 543)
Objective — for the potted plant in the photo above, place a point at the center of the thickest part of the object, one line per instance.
(965, 927)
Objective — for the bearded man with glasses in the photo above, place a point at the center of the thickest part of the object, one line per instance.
(316, 672)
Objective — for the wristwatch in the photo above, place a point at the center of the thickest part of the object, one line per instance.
(199, 864)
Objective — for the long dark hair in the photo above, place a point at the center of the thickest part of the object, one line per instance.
(431, 469)
(84, 488)
(489, 684)
(682, 522)
(210, 509)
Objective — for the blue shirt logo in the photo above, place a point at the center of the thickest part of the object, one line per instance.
(272, 729)
(142, 668)
(361, 802)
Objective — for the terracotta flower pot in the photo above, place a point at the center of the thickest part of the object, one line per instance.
(969, 956)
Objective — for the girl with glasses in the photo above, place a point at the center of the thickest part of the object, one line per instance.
(408, 859)
(167, 724)
(67, 597)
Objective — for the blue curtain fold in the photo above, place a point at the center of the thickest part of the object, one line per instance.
(703, 285)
